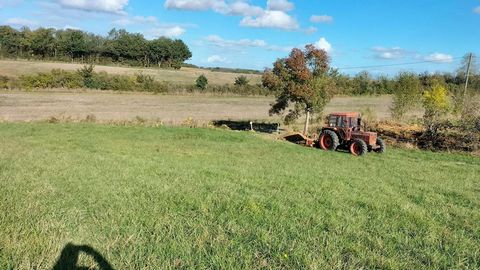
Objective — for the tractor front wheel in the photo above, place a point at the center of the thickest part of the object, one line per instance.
(358, 147)
(329, 140)
(381, 146)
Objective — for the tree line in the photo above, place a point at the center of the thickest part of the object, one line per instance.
(305, 82)
(119, 46)
(364, 83)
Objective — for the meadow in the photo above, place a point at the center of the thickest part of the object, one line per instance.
(166, 198)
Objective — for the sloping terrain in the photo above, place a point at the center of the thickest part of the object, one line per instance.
(155, 198)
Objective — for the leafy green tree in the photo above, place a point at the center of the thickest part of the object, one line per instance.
(43, 42)
(130, 46)
(9, 40)
(407, 94)
(301, 80)
(72, 43)
(168, 53)
(202, 82)
(343, 83)
(25, 42)
(160, 51)
(362, 83)
(181, 53)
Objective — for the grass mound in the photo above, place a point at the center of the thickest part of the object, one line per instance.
(157, 198)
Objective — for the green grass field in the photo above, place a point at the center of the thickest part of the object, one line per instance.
(159, 198)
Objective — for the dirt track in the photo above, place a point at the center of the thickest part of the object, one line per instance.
(107, 106)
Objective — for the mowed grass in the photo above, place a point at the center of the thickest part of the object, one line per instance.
(171, 109)
(160, 198)
(187, 76)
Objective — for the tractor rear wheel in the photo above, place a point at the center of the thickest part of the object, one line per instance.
(329, 140)
(358, 147)
(381, 146)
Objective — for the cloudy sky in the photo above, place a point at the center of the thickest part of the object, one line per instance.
(378, 35)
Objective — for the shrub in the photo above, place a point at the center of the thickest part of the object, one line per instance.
(4, 82)
(436, 102)
(87, 72)
(201, 82)
(407, 94)
(40, 80)
(121, 83)
(146, 81)
(462, 135)
(241, 80)
(65, 79)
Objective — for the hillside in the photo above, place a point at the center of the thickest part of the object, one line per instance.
(185, 75)
(162, 198)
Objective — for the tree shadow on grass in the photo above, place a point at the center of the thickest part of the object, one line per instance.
(247, 125)
(69, 258)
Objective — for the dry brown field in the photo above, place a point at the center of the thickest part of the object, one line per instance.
(127, 106)
(15, 68)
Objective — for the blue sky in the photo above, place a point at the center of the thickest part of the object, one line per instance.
(252, 34)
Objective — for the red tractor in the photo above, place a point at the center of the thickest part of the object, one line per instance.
(344, 131)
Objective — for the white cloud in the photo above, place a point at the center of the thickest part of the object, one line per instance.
(219, 6)
(238, 8)
(192, 4)
(271, 19)
(20, 22)
(388, 53)
(244, 9)
(216, 59)
(310, 30)
(281, 5)
(323, 44)
(110, 6)
(274, 16)
(439, 57)
(164, 31)
(220, 42)
(243, 43)
(477, 10)
(136, 20)
(321, 19)
(155, 28)
(71, 27)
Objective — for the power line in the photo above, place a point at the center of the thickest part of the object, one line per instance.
(399, 64)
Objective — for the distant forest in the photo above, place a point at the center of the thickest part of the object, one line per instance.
(119, 46)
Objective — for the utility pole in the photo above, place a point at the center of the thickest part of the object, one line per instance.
(468, 74)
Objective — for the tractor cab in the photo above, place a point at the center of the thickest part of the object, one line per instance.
(350, 120)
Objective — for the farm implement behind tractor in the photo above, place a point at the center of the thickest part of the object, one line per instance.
(343, 131)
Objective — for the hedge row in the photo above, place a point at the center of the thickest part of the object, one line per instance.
(87, 78)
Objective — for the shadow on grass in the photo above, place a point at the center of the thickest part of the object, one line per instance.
(247, 125)
(70, 254)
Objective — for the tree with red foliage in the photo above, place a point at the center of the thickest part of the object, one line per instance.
(301, 82)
